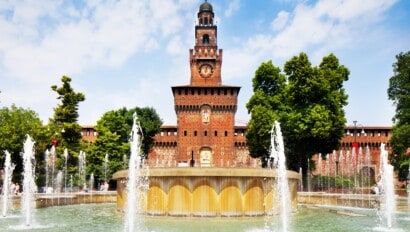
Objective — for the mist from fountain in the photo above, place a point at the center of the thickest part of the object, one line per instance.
(91, 183)
(388, 206)
(82, 171)
(28, 181)
(136, 180)
(277, 153)
(65, 168)
(8, 174)
(47, 161)
(58, 182)
(408, 188)
(105, 167)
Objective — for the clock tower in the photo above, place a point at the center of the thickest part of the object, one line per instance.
(205, 58)
(205, 108)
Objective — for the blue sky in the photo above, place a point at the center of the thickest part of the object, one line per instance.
(129, 53)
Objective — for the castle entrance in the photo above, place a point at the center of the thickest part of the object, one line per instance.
(205, 156)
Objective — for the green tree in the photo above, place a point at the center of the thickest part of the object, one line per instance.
(307, 101)
(265, 105)
(15, 124)
(64, 123)
(399, 93)
(114, 130)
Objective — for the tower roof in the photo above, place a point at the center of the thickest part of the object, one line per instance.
(205, 7)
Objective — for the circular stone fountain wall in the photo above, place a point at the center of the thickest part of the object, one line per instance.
(209, 191)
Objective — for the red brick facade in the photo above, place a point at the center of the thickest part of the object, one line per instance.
(205, 110)
(364, 160)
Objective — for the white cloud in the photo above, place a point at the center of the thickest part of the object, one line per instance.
(234, 6)
(280, 21)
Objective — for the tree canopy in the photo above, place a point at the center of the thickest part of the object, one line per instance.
(64, 125)
(399, 93)
(114, 129)
(308, 102)
(15, 124)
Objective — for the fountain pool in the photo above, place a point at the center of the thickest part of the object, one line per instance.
(106, 217)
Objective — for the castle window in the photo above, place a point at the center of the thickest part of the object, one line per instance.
(195, 133)
(205, 39)
(216, 133)
(226, 133)
(200, 21)
(205, 133)
(210, 21)
(206, 21)
(185, 133)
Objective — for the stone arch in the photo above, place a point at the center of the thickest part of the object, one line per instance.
(204, 198)
(231, 199)
(179, 198)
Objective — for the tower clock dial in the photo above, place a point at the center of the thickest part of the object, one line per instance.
(205, 70)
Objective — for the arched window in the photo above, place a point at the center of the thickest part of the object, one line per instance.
(205, 39)
(195, 133)
(206, 21)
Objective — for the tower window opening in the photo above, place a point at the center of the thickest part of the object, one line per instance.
(206, 20)
(200, 21)
(195, 133)
(205, 133)
(226, 133)
(216, 133)
(205, 39)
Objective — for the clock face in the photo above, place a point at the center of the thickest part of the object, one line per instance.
(205, 70)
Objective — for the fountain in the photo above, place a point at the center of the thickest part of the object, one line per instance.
(135, 179)
(82, 171)
(52, 160)
(65, 168)
(105, 167)
(278, 155)
(206, 191)
(388, 205)
(8, 173)
(408, 188)
(28, 181)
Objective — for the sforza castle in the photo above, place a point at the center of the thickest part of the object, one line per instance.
(205, 110)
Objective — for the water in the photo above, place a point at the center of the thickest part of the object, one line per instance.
(388, 206)
(135, 181)
(28, 181)
(105, 167)
(408, 187)
(65, 168)
(8, 174)
(279, 159)
(82, 171)
(105, 217)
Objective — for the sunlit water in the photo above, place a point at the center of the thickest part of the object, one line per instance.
(105, 217)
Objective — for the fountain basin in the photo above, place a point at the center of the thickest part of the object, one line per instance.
(209, 192)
